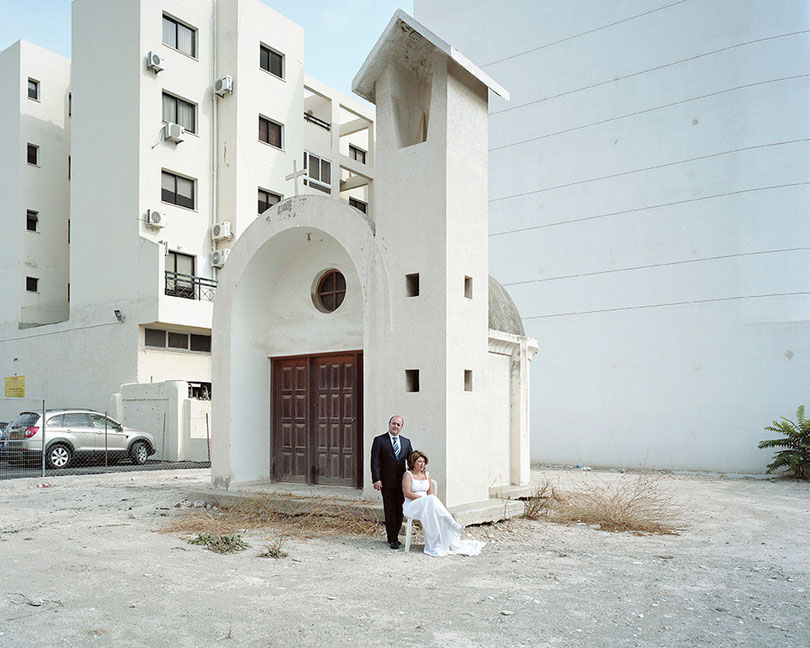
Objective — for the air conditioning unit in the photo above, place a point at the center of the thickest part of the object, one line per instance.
(154, 62)
(223, 86)
(155, 219)
(175, 132)
(221, 231)
(218, 257)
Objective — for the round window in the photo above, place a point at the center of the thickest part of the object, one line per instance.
(330, 291)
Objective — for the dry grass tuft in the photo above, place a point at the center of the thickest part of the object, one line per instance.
(273, 549)
(312, 517)
(638, 506)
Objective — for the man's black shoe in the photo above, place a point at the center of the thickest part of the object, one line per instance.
(394, 544)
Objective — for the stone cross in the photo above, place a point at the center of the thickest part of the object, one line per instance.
(294, 175)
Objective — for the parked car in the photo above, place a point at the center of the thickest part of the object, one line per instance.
(3, 426)
(73, 434)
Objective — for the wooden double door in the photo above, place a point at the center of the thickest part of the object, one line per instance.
(316, 418)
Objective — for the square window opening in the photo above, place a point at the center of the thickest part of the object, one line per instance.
(468, 287)
(33, 154)
(33, 89)
(267, 199)
(31, 220)
(359, 204)
(270, 132)
(177, 190)
(271, 61)
(468, 380)
(155, 338)
(179, 36)
(356, 153)
(412, 380)
(200, 343)
(412, 285)
(179, 111)
(178, 340)
(31, 284)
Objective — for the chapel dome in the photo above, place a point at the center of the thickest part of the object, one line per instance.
(503, 314)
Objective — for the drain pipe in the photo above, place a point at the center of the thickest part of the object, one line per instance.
(214, 160)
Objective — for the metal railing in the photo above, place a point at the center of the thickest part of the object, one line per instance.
(317, 121)
(189, 286)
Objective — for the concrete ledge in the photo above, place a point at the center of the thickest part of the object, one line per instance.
(286, 503)
(513, 492)
(486, 511)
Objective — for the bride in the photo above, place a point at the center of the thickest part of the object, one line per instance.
(439, 528)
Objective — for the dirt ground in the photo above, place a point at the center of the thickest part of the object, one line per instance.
(81, 563)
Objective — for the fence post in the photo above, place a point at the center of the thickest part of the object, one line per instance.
(42, 462)
(106, 465)
(163, 447)
(208, 439)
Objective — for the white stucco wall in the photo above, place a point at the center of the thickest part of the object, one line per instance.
(648, 196)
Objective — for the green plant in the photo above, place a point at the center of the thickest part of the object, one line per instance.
(223, 544)
(796, 443)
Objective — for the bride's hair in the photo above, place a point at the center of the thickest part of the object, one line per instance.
(414, 456)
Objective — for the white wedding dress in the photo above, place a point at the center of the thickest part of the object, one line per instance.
(439, 528)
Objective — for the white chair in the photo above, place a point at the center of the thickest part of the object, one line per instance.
(409, 526)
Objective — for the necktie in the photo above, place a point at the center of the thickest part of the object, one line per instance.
(396, 447)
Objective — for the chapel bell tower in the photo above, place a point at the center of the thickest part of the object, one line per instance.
(431, 223)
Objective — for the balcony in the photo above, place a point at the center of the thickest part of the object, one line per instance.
(190, 287)
(312, 119)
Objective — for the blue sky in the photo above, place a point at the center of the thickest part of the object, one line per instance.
(339, 33)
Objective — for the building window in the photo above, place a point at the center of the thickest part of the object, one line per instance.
(70, 104)
(33, 89)
(358, 204)
(412, 380)
(177, 190)
(70, 165)
(155, 338)
(319, 173)
(357, 154)
(179, 36)
(31, 284)
(160, 339)
(180, 275)
(33, 154)
(468, 287)
(468, 380)
(31, 220)
(180, 112)
(271, 61)
(269, 132)
(331, 291)
(267, 199)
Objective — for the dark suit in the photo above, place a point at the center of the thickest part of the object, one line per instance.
(387, 469)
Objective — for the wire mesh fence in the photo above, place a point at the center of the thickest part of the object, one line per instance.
(37, 440)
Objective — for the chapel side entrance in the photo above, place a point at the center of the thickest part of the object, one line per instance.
(316, 418)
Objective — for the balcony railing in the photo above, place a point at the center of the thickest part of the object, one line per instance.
(190, 287)
(312, 119)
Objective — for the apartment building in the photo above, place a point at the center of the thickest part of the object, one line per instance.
(35, 167)
(648, 193)
(186, 122)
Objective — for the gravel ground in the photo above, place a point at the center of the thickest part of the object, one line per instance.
(81, 563)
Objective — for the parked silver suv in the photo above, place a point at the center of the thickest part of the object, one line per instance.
(71, 434)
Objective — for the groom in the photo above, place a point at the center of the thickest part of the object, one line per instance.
(388, 454)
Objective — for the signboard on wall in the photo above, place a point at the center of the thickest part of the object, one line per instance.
(15, 386)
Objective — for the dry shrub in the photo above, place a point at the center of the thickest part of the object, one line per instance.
(220, 543)
(313, 517)
(273, 549)
(637, 506)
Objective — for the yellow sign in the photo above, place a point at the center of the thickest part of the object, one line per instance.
(15, 386)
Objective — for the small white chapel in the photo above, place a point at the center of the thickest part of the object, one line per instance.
(327, 321)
